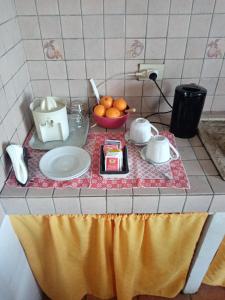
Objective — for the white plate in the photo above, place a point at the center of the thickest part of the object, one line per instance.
(143, 156)
(65, 163)
(127, 139)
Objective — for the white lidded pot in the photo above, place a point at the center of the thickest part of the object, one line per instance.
(50, 118)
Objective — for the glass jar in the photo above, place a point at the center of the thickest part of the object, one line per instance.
(78, 112)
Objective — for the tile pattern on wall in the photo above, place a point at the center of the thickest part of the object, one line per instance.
(15, 87)
(67, 42)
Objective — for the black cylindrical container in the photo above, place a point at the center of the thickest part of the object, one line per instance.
(187, 108)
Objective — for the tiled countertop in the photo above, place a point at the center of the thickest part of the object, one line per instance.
(207, 193)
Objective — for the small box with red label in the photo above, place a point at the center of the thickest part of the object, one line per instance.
(114, 164)
(114, 160)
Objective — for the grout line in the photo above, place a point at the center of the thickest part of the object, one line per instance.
(84, 59)
(42, 42)
(204, 58)
(146, 38)
(187, 39)
(115, 14)
(79, 197)
(60, 20)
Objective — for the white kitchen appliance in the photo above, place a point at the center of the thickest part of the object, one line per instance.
(50, 118)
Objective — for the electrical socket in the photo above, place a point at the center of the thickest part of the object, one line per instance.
(147, 69)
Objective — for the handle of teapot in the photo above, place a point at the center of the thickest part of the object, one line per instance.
(177, 155)
(155, 129)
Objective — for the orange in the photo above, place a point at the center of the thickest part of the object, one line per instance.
(106, 101)
(120, 104)
(99, 110)
(112, 112)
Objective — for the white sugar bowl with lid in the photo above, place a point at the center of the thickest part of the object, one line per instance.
(50, 118)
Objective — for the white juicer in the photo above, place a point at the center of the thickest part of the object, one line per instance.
(50, 118)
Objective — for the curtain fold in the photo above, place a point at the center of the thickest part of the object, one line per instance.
(110, 255)
(216, 273)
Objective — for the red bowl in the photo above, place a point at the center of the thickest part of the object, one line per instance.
(110, 122)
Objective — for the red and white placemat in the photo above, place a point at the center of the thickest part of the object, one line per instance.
(142, 174)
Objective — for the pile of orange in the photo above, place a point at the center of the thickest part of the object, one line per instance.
(110, 108)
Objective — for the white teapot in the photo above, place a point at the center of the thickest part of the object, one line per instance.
(141, 130)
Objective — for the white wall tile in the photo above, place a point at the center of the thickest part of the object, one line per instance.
(220, 6)
(49, 7)
(93, 26)
(71, 26)
(181, 6)
(2, 214)
(114, 67)
(93, 205)
(155, 48)
(182, 29)
(74, 49)
(94, 48)
(208, 167)
(15, 205)
(173, 68)
(60, 88)
(93, 7)
(218, 203)
(114, 48)
(56, 69)
(122, 204)
(42, 206)
(37, 69)
(145, 204)
(197, 203)
(218, 25)
(196, 47)
(67, 205)
(69, 7)
(199, 25)
(114, 26)
(157, 25)
(115, 87)
(218, 103)
(193, 167)
(24, 7)
(220, 90)
(136, 6)
(203, 6)
(175, 48)
(33, 49)
(136, 26)
(192, 68)
(41, 88)
(133, 88)
(114, 7)
(95, 69)
(76, 69)
(159, 6)
(169, 204)
(211, 67)
(78, 88)
(50, 26)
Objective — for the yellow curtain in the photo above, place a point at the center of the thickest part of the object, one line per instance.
(110, 255)
(216, 273)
